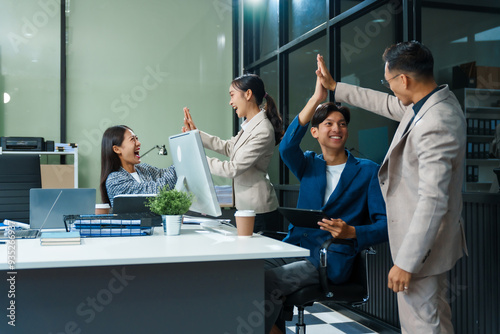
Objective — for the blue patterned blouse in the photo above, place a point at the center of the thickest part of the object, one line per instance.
(152, 180)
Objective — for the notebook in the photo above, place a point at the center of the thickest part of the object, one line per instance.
(48, 207)
(302, 217)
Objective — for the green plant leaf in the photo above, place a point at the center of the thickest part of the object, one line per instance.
(170, 202)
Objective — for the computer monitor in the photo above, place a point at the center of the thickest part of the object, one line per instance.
(193, 173)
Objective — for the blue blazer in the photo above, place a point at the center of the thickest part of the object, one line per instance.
(357, 200)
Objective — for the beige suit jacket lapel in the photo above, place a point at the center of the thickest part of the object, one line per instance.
(399, 136)
(243, 135)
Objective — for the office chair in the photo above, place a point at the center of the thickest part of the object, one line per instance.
(18, 174)
(354, 292)
(497, 172)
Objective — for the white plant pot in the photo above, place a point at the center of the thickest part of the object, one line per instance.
(172, 224)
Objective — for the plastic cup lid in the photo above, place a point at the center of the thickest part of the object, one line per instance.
(245, 213)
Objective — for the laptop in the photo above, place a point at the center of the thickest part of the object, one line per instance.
(302, 217)
(48, 207)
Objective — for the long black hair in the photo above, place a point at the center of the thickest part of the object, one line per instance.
(256, 85)
(110, 162)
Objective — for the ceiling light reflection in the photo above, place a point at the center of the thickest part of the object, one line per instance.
(6, 98)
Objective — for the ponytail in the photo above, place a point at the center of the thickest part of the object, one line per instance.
(275, 118)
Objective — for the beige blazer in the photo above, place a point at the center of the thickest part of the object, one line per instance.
(249, 153)
(421, 178)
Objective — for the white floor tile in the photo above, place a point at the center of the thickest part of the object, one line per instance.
(332, 317)
(319, 329)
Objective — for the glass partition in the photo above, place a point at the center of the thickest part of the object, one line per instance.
(139, 64)
(348, 4)
(363, 42)
(302, 79)
(269, 74)
(304, 16)
(30, 69)
(475, 37)
(128, 62)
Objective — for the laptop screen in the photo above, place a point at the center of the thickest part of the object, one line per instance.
(48, 206)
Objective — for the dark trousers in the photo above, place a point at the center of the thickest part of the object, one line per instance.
(283, 277)
(269, 221)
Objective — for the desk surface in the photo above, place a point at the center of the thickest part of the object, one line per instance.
(193, 245)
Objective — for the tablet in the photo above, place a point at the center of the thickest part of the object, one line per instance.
(131, 203)
(302, 217)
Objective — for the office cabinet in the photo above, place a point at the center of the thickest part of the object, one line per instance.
(482, 112)
(56, 175)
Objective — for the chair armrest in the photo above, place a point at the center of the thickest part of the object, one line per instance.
(323, 263)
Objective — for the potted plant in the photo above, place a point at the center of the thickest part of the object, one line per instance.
(171, 205)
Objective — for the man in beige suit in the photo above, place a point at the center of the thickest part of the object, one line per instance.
(421, 180)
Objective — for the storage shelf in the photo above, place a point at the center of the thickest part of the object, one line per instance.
(484, 112)
(37, 152)
(477, 160)
(490, 137)
(493, 109)
(480, 108)
(482, 90)
(72, 151)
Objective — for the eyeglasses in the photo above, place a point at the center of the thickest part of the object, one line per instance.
(386, 82)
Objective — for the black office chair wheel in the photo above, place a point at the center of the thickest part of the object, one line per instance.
(300, 326)
(300, 329)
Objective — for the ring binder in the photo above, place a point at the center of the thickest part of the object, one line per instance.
(113, 225)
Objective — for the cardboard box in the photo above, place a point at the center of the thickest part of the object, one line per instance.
(469, 75)
(488, 77)
(58, 176)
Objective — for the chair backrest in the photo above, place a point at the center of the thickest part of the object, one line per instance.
(18, 174)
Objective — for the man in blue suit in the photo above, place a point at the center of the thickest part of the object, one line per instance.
(344, 187)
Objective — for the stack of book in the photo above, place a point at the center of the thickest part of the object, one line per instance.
(60, 238)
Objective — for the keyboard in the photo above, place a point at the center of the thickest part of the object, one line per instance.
(221, 228)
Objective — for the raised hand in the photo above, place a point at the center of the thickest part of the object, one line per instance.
(320, 92)
(324, 75)
(188, 121)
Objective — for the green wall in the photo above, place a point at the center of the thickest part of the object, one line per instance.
(128, 62)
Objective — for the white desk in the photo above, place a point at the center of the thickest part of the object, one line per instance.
(198, 282)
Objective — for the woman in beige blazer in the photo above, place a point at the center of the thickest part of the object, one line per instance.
(250, 151)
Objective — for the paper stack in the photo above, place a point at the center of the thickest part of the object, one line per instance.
(60, 238)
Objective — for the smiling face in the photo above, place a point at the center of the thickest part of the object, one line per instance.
(332, 132)
(240, 101)
(128, 151)
(398, 84)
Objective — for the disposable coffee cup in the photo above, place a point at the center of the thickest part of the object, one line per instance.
(245, 220)
(102, 209)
